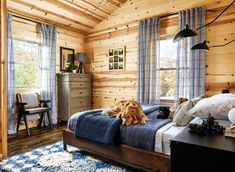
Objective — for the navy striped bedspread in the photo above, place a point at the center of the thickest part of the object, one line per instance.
(108, 130)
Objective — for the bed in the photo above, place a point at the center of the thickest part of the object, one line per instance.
(157, 160)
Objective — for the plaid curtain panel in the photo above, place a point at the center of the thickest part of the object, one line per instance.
(11, 97)
(190, 65)
(148, 83)
(48, 67)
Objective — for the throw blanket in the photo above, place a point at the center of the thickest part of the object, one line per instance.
(97, 127)
(105, 129)
(143, 136)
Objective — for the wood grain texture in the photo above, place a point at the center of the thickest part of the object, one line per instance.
(3, 80)
(39, 136)
(131, 156)
(121, 29)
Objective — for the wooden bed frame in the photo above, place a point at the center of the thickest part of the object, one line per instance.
(130, 156)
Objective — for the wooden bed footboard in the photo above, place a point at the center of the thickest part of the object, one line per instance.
(130, 156)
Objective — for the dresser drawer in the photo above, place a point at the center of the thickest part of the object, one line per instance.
(80, 93)
(79, 79)
(79, 102)
(84, 84)
(78, 109)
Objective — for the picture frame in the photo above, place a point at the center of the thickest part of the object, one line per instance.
(64, 51)
(116, 59)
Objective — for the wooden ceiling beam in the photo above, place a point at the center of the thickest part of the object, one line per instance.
(84, 8)
(122, 1)
(113, 3)
(96, 7)
(73, 10)
(35, 8)
(39, 19)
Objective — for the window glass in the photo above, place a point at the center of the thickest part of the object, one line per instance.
(168, 52)
(27, 64)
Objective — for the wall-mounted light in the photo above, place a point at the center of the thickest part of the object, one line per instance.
(187, 32)
(204, 46)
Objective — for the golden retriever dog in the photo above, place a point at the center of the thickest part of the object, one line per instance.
(129, 111)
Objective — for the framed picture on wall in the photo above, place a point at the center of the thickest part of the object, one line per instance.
(66, 57)
(116, 58)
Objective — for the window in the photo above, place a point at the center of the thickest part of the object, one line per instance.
(168, 52)
(27, 65)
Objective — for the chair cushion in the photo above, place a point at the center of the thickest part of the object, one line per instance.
(37, 110)
(32, 100)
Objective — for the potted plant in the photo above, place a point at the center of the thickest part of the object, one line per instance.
(72, 68)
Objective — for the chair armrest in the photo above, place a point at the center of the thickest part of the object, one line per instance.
(45, 101)
(21, 103)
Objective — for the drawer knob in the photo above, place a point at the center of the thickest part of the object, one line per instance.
(80, 101)
(80, 92)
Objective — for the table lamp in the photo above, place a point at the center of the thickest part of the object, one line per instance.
(81, 58)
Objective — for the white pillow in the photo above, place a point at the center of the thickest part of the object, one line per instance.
(218, 106)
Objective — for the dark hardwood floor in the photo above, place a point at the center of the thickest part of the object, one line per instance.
(38, 137)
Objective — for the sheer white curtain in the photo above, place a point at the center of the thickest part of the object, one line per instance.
(48, 67)
(148, 83)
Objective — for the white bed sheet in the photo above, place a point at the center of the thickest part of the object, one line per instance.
(163, 137)
(167, 132)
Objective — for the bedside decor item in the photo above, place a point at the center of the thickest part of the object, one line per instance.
(66, 57)
(231, 116)
(81, 58)
(116, 58)
(187, 32)
(230, 131)
(208, 126)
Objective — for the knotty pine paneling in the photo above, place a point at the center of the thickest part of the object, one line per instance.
(3, 82)
(121, 29)
(30, 31)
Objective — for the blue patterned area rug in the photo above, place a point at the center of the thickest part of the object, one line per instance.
(53, 158)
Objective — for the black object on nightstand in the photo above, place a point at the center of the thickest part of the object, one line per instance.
(191, 152)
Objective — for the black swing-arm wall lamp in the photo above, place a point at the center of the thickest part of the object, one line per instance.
(187, 32)
(204, 46)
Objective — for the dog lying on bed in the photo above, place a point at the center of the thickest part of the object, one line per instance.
(129, 111)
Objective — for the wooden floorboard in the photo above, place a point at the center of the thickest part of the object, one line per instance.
(39, 136)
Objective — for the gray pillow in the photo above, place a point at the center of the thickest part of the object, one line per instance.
(180, 118)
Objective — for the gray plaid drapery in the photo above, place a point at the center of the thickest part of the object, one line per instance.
(148, 61)
(190, 65)
(48, 67)
(11, 97)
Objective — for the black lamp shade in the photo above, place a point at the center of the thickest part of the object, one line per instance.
(184, 33)
(70, 58)
(200, 46)
(81, 57)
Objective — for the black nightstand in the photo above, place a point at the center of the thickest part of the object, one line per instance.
(191, 152)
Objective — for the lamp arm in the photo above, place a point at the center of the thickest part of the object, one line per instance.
(216, 17)
(223, 44)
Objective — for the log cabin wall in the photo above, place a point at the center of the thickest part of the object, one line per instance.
(29, 31)
(3, 96)
(121, 29)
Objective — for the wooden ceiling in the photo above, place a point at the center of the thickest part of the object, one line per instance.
(77, 15)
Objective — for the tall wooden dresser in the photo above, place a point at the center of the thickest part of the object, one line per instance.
(74, 94)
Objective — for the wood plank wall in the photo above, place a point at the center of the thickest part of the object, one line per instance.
(30, 31)
(120, 29)
(3, 97)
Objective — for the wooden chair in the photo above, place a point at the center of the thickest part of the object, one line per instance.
(29, 104)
